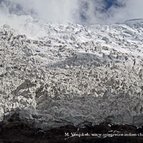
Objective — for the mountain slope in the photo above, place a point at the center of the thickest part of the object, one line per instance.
(73, 74)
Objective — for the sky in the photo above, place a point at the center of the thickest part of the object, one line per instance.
(74, 11)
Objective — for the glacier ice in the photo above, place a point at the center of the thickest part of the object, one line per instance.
(73, 74)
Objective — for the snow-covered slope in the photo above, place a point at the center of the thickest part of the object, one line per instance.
(73, 74)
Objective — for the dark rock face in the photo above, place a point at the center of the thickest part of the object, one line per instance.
(14, 130)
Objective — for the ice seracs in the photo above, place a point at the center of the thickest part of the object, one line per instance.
(73, 74)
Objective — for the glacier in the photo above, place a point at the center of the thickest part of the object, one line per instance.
(69, 73)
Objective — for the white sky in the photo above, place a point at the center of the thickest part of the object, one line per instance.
(61, 11)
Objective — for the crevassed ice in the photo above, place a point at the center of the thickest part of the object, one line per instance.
(73, 74)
